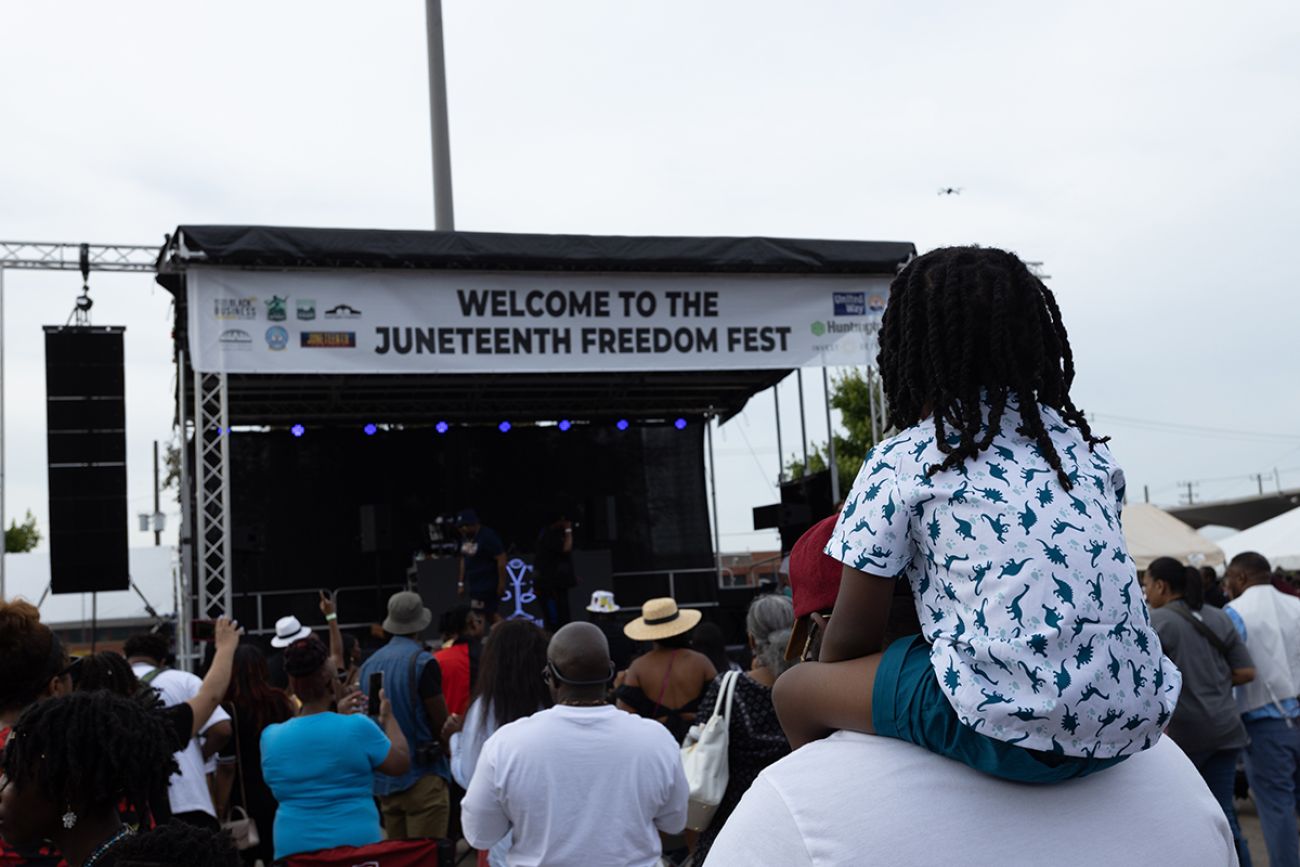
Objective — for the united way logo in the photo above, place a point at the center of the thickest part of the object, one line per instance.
(276, 308)
(850, 303)
(277, 338)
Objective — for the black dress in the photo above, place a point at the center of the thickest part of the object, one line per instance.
(754, 741)
(261, 804)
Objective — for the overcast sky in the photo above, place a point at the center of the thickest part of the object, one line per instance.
(1147, 155)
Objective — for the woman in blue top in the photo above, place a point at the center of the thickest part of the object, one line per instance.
(320, 765)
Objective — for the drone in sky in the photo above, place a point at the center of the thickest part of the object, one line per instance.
(950, 191)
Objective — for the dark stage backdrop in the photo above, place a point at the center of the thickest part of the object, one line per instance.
(337, 507)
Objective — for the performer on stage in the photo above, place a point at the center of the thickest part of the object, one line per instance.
(553, 574)
(482, 565)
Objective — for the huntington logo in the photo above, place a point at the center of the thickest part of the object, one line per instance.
(276, 308)
(818, 329)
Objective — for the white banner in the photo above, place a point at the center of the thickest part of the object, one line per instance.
(526, 322)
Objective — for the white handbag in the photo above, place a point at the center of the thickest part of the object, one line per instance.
(704, 758)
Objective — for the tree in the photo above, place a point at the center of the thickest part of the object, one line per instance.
(851, 395)
(22, 538)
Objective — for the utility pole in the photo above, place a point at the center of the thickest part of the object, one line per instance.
(444, 219)
(1259, 477)
(1191, 492)
(157, 529)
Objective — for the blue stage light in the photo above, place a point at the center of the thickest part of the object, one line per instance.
(297, 430)
(504, 427)
(622, 424)
(370, 429)
(565, 424)
(442, 427)
(680, 424)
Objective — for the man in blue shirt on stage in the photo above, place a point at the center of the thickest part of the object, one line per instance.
(482, 565)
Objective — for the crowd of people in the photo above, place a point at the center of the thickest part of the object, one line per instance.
(967, 667)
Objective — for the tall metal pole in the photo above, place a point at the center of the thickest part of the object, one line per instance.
(830, 439)
(713, 487)
(2, 434)
(157, 533)
(443, 216)
(803, 424)
(780, 450)
(185, 607)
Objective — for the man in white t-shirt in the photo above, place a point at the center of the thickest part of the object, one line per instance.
(863, 799)
(582, 783)
(188, 793)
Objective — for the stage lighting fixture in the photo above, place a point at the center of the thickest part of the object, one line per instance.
(680, 424)
(442, 427)
(504, 427)
(370, 429)
(622, 424)
(297, 430)
(565, 424)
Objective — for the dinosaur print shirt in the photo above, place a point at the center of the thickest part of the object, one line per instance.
(1039, 631)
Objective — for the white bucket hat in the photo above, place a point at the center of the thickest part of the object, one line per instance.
(288, 630)
(602, 602)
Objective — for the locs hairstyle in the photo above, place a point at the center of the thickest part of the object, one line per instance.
(969, 324)
(89, 749)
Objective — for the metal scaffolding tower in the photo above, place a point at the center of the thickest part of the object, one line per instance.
(210, 429)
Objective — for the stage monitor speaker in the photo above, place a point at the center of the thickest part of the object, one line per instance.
(85, 411)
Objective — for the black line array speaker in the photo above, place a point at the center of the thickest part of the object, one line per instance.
(85, 412)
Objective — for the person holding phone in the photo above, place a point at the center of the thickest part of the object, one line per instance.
(320, 765)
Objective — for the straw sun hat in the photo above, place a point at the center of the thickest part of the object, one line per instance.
(661, 618)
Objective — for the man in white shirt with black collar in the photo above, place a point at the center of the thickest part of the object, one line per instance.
(188, 792)
(583, 782)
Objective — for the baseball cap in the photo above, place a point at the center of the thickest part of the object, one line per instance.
(814, 581)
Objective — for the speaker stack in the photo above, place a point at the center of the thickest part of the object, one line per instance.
(85, 410)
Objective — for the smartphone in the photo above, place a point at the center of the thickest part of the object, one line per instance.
(376, 684)
(203, 630)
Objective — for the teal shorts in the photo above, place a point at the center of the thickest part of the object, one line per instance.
(907, 703)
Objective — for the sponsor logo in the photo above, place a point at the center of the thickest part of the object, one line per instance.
(342, 311)
(275, 308)
(328, 339)
(277, 338)
(235, 338)
(234, 308)
(306, 308)
(876, 303)
(830, 326)
(850, 303)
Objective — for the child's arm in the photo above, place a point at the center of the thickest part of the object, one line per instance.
(857, 625)
(814, 699)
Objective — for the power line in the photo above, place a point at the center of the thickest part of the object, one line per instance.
(1196, 430)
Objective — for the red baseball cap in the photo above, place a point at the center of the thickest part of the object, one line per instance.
(814, 581)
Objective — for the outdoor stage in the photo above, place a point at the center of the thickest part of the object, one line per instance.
(341, 389)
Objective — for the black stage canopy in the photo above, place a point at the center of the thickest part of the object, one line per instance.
(280, 400)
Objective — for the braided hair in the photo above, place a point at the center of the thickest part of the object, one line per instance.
(177, 844)
(967, 326)
(90, 749)
(105, 670)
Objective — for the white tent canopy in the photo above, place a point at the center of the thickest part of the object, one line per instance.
(1152, 532)
(1278, 539)
(28, 575)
